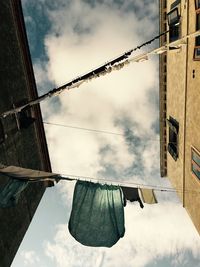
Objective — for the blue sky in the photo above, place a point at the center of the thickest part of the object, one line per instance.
(68, 38)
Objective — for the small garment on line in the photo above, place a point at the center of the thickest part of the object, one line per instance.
(132, 194)
(18, 181)
(97, 216)
(27, 174)
(10, 193)
(148, 196)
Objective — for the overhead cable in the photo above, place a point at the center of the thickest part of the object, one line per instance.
(125, 183)
(82, 128)
(115, 64)
(96, 131)
(102, 70)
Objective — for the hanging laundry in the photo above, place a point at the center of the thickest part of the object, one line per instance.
(10, 193)
(18, 181)
(132, 194)
(28, 174)
(97, 216)
(75, 82)
(148, 196)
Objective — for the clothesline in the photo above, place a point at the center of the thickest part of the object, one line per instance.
(114, 64)
(97, 215)
(123, 183)
(69, 177)
(112, 182)
(41, 176)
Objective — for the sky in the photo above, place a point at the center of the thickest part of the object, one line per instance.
(66, 39)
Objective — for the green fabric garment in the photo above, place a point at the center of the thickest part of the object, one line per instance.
(10, 193)
(97, 216)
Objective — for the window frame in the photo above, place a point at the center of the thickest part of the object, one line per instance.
(173, 133)
(194, 163)
(197, 5)
(198, 20)
(174, 25)
(174, 21)
(197, 46)
(172, 30)
(196, 57)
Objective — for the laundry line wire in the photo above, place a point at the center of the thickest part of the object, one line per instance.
(115, 64)
(125, 183)
(72, 177)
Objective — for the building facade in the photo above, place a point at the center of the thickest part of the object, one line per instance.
(22, 137)
(180, 102)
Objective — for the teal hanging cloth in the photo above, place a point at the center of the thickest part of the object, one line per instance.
(97, 216)
(10, 193)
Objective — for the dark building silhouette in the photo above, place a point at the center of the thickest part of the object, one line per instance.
(22, 137)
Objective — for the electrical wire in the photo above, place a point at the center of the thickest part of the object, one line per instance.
(82, 128)
(95, 130)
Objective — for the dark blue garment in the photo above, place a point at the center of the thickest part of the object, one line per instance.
(10, 193)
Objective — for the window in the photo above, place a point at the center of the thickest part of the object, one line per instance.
(198, 21)
(174, 4)
(197, 43)
(173, 17)
(197, 39)
(197, 4)
(174, 21)
(173, 33)
(195, 163)
(197, 53)
(173, 137)
(174, 25)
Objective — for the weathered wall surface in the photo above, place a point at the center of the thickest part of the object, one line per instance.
(192, 184)
(183, 102)
(25, 147)
(176, 72)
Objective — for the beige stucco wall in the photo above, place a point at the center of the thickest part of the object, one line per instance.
(176, 71)
(183, 104)
(192, 199)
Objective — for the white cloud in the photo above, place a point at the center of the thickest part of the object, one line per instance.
(29, 257)
(151, 233)
(83, 36)
(40, 72)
